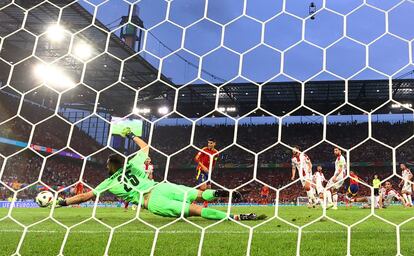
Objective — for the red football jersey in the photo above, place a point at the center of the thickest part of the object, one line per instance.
(265, 191)
(79, 188)
(355, 180)
(204, 157)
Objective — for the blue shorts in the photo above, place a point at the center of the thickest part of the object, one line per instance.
(353, 189)
(201, 178)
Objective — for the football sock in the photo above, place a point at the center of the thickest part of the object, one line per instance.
(335, 199)
(213, 214)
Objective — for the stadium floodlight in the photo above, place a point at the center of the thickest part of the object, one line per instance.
(163, 110)
(405, 105)
(227, 109)
(141, 111)
(53, 76)
(55, 33)
(82, 50)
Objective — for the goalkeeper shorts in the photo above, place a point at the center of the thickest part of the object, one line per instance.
(168, 200)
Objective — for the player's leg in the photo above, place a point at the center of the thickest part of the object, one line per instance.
(328, 193)
(335, 198)
(203, 184)
(408, 191)
(160, 203)
(376, 196)
(335, 189)
(126, 204)
(319, 191)
(307, 186)
(213, 214)
(208, 186)
(178, 192)
(404, 192)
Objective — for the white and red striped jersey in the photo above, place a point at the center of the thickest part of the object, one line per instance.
(389, 195)
(149, 169)
(318, 179)
(406, 173)
(301, 163)
(340, 164)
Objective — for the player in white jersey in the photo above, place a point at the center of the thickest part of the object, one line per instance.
(406, 190)
(386, 196)
(337, 179)
(149, 168)
(302, 163)
(318, 180)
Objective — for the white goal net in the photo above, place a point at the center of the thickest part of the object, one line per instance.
(258, 77)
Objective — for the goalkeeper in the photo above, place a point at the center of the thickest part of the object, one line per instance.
(164, 199)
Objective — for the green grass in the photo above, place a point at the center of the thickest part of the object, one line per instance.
(275, 237)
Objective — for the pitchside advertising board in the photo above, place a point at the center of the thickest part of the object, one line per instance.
(32, 204)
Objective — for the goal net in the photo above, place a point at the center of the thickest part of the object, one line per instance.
(261, 80)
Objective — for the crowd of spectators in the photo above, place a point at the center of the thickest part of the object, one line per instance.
(235, 165)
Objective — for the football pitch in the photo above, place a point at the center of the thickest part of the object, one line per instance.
(372, 236)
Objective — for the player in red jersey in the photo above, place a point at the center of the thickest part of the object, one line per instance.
(264, 194)
(203, 160)
(78, 188)
(353, 188)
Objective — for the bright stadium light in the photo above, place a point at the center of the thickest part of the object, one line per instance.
(405, 105)
(83, 51)
(163, 110)
(141, 111)
(55, 33)
(227, 109)
(53, 76)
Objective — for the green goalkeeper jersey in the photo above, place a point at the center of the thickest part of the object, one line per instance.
(135, 181)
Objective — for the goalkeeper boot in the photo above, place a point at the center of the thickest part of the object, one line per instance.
(251, 216)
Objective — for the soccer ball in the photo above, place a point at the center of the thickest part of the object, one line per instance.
(44, 198)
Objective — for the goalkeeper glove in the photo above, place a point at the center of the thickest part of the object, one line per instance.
(126, 132)
(58, 203)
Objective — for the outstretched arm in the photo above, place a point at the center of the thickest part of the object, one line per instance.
(141, 144)
(76, 199)
(130, 135)
(293, 172)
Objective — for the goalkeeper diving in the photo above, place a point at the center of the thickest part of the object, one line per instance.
(164, 199)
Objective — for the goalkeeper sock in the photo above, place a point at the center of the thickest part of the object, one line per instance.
(213, 214)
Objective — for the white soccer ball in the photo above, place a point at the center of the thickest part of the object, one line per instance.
(44, 198)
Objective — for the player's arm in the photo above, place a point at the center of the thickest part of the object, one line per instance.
(400, 198)
(293, 172)
(76, 199)
(126, 132)
(197, 159)
(309, 163)
(401, 183)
